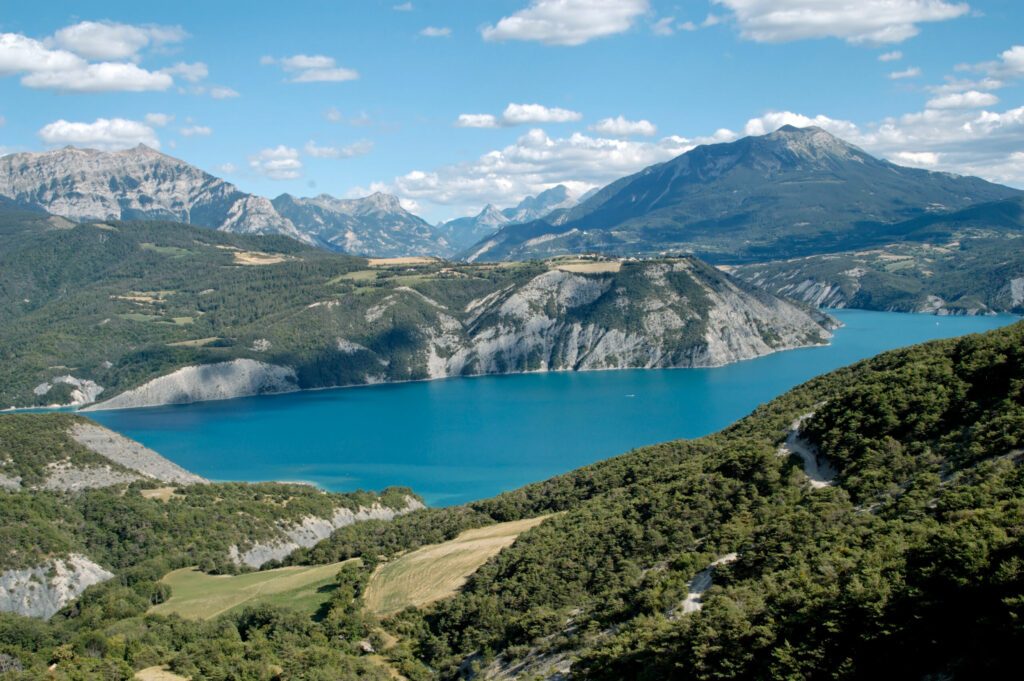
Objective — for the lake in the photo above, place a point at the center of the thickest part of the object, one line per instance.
(461, 439)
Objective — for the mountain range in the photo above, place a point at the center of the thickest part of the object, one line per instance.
(462, 233)
(796, 191)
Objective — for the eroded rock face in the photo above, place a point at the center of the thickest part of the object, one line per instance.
(224, 380)
(43, 590)
(312, 530)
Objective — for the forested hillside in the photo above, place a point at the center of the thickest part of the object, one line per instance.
(712, 558)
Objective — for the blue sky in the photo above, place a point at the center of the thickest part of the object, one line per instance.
(349, 97)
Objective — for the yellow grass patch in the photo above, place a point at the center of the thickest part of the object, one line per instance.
(159, 673)
(159, 493)
(196, 595)
(585, 267)
(258, 258)
(437, 571)
(195, 343)
(408, 260)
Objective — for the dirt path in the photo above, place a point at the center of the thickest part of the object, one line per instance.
(820, 472)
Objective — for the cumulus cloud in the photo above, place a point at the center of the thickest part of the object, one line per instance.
(518, 114)
(221, 92)
(533, 163)
(477, 121)
(193, 73)
(404, 7)
(227, 168)
(622, 127)
(317, 68)
(895, 55)
(159, 119)
(436, 32)
(102, 77)
(277, 163)
(103, 133)
(665, 26)
(360, 148)
(912, 72)
(917, 159)
(43, 67)
(858, 22)
(106, 40)
(972, 99)
(567, 22)
(196, 131)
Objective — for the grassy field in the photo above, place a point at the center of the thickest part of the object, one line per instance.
(195, 595)
(439, 570)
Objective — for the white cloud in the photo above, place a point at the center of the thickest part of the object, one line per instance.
(404, 7)
(917, 159)
(227, 168)
(360, 148)
(317, 68)
(436, 32)
(664, 26)
(687, 26)
(535, 162)
(519, 114)
(196, 131)
(567, 22)
(912, 72)
(159, 119)
(221, 92)
(1013, 60)
(477, 121)
(45, 68)
(773, 120)
(106, 40)
(622, 127)
(19, 54)
(103, 133)
(856, 21)
(277, 163)
(102, 77)
(895, 55)
(193, 73)
(972, 99)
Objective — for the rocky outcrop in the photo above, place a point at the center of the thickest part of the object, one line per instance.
(312, 529)
(83, 391)
(43, 590)
(563, 321)
(131, 454)
(221, 381)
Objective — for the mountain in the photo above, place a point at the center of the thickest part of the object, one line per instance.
(135, 184)
(864, 525)
(962, 262)
(144, 184)
(462, 233)
(152, 313)
(376, 225)
(796, 191)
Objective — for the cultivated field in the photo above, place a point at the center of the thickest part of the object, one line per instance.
(437, 571)
(196, 595)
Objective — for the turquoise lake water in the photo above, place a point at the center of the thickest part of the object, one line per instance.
(461, 439)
